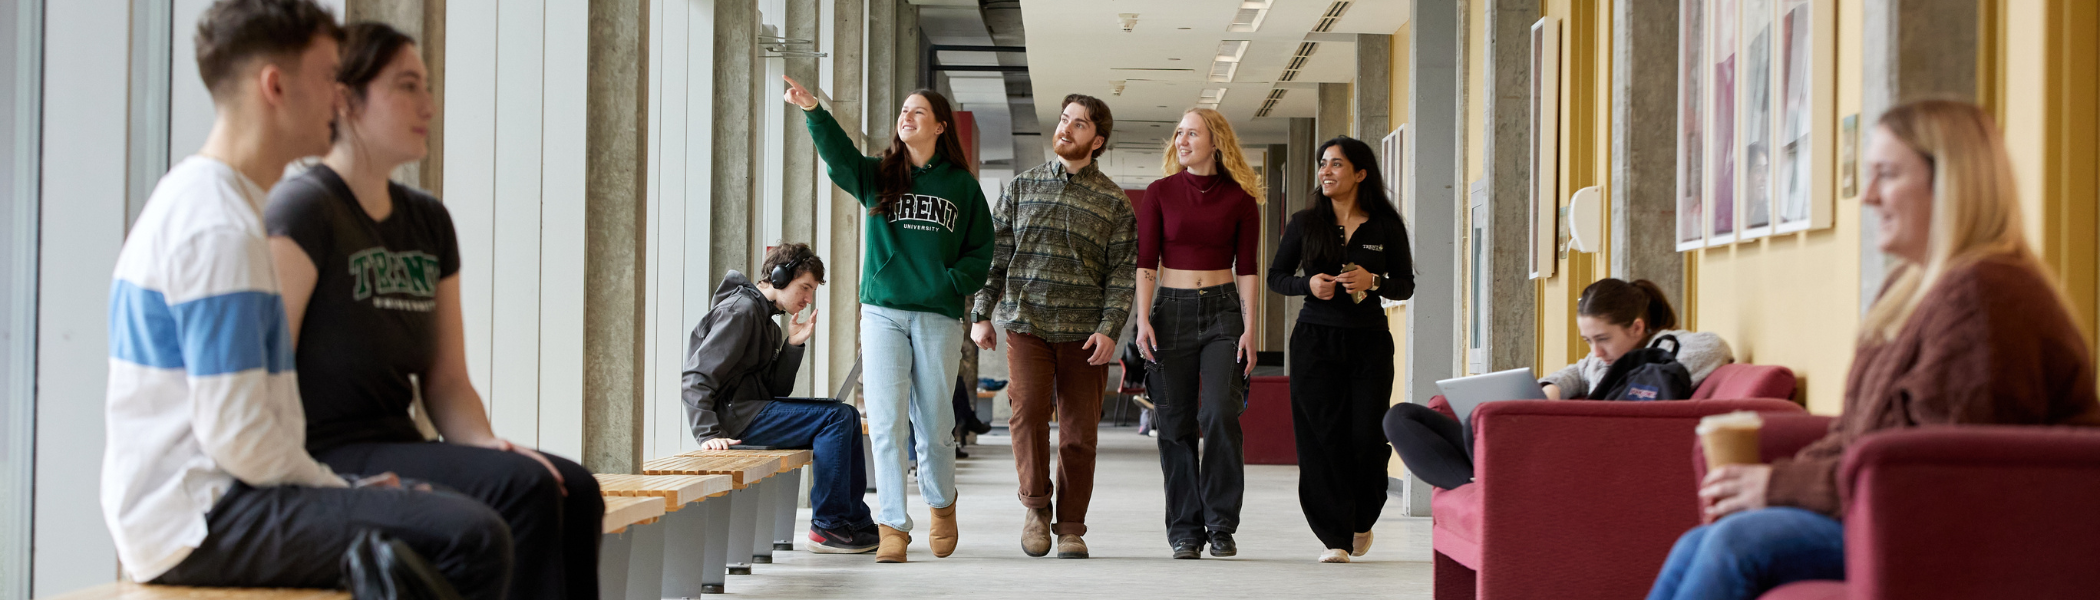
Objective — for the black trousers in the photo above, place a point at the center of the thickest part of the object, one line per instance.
(1341, 383)
(1198, 385)
(291, 536)
(555, 536)
(1432, 445)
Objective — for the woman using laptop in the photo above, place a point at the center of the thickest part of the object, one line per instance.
(1351, 248)
(1615, 317)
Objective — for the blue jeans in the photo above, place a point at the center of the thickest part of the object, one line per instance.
(1745, 554)
(909, 361)
(831, 430)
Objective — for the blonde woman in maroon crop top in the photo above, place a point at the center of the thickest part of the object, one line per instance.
(1197, 293)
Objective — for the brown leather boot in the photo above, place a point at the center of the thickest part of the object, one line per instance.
(942, 532)
(892, 548)
(1035, 532)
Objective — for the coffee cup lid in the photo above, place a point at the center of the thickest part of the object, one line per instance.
(1739, 419)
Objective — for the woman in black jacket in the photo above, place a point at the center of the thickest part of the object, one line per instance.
(1347, 251)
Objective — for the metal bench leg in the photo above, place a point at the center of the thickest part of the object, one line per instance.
(769, 490)
(714, 572)
(743, 527)
(784, 522)
(684, 566)
(645, 568)
(613, 552)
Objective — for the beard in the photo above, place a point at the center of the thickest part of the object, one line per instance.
(1073, 151)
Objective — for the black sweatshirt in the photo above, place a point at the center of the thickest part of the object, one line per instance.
(1379, 246)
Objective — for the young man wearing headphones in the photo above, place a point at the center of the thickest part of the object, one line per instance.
(738, 365)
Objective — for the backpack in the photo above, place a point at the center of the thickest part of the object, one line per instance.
(1650, 373)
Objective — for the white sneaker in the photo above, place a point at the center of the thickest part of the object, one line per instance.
(1334, 555)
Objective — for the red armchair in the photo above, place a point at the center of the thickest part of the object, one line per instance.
(1747, 381)
(1571, 499)
(1959, 512)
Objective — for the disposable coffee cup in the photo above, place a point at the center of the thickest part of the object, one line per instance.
(1730, 438)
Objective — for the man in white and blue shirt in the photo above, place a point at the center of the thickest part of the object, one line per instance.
(206, 479)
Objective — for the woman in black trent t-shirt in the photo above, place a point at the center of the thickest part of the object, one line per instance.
(370, 270)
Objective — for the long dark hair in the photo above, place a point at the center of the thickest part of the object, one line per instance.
(894, 174)
(1619, 303)
(368, 47)
(1320, 245)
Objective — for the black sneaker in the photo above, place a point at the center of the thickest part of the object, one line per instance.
(826, 541)
(1188, 549)
(1221, 545)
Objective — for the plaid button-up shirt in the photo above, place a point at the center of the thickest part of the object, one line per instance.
(1064, 258)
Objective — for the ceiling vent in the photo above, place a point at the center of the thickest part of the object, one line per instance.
(1116, 87)
(1250, 16)
(1211, 98)
(1275, 95)
(1298, 60)
(1227, 63)
(1327, 19)
(1129, 20)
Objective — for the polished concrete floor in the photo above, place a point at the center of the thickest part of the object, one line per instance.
(1127, 537)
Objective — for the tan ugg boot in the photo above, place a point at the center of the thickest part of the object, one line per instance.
(893, 543)
(1362, 543)
(1070, 546)
(1035, 532)
(941, 534)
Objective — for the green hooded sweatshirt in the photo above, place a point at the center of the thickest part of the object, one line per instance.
(934, 248)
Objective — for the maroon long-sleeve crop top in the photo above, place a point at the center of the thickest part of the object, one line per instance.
(1197, 223)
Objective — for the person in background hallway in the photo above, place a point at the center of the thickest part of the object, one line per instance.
(370, 270)
(207, 478)
(1970, 328)
(1347, 251)
(1197, 234)
(736, 366)
(929, 247)
(1061, 279)
(1615, 317)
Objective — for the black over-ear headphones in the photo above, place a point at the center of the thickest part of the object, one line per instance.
(784, 273)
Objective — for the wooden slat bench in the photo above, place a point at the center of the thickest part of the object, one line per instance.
(741, 511)
(776, 529)
(662, 563)
(621, 513)
(140, 591)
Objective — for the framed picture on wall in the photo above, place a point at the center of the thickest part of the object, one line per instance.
(1545, 145)
(1392, 155)
(1691, 151)
(1806, 108)
(1754, 205)
(1721, 121)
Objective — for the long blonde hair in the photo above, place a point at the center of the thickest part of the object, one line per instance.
(1975, 206)
(1230, 159)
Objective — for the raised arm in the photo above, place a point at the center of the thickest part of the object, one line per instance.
(851, 170)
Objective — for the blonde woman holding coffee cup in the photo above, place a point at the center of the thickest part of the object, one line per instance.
(1970, 329)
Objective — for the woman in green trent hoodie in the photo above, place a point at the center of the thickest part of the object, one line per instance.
(929, 249)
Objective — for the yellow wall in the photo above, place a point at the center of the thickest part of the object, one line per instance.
(1396, 318)
(1585, 160)
(2049, 107)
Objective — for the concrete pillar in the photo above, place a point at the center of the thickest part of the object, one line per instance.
(1374, 87)
(1644, 145)
(799, 153)
(1332, 118)
(1433, 170)
(1913, 49)
(1509, 311)
(842, 259)
(1298, 186)
(1275, 330)
(908, 58)
(881, 107)
(615, 235)
(730, 202)
(423, 20)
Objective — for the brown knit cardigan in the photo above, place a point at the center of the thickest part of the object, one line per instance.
(1989, 344)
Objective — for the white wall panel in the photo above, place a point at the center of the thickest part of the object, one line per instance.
(82, 222)
(470, 174)
(514, 379)
(699, 176)
(667, 227)
(562, 216)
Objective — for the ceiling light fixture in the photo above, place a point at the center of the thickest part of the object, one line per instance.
(1211, 98)
(1129, 21)
(1116, 87)
(1227, 63)
(1250, 16)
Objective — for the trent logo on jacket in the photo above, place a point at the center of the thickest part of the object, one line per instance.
(923, 209)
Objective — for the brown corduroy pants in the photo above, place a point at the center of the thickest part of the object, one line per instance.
(1049, 377)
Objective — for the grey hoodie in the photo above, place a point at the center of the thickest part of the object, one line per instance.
(1701, 354)
(735, 361)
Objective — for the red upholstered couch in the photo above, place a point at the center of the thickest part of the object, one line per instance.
(1577, 499)
(1959, 512)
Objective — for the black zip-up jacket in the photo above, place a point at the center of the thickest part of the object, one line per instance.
(1379, 246)
(735, 361)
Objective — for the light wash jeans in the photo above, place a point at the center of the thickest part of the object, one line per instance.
(909, 362)
(1746, 554)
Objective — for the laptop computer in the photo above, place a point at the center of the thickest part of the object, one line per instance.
(1468, 393)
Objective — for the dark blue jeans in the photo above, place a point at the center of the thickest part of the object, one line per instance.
(1746, 554)
(831, 430)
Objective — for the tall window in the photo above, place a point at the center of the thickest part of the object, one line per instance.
(20, 60)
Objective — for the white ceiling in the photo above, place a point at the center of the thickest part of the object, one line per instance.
(1079, 46)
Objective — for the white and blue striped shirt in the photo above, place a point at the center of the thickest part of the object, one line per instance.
(201, 386)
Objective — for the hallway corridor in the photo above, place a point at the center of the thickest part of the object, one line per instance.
(1126, 537)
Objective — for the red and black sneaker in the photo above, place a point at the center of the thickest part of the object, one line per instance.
(827, 541)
